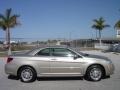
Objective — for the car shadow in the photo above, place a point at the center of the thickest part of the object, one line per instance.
(58, 78)
(106, 77)
(13, 77)
(55, 78)
(48, 78)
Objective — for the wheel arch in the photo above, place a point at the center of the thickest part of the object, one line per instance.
(103, 68)
(25, 66)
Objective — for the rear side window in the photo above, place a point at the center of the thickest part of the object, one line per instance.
(62, 52)
(44, 52)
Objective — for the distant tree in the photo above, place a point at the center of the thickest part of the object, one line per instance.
(117, 25)
(99, 24)
(7, 21)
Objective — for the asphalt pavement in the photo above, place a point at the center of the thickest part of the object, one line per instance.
(77, 83)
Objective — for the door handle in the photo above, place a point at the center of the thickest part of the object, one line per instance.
(53, 59)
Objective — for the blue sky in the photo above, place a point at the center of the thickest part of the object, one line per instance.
(49, 19)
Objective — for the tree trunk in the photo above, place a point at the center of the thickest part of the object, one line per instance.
(96, 35)
(100, 42)
(6, 41)
(9, 44)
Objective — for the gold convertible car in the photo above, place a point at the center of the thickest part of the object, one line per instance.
(58, 62)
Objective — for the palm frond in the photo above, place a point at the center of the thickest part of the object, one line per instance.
(106, 25)
(9, 19)
(2, 25)
(2, 17)
(99, 24)
(8, 13)
(13, 21)
(117, 25)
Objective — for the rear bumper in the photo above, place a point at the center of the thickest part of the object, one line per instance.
(10, 69)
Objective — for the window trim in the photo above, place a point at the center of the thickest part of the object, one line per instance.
(43, 55)
(72, 52)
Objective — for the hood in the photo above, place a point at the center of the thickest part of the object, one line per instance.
(95, 56)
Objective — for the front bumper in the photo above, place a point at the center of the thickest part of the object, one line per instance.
(110, 69)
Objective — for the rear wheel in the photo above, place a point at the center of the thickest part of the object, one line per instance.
(94, 73)
(27, 74)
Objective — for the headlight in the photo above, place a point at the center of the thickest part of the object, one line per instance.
(108, 60)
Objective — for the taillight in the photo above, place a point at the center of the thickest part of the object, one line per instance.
(9, 59)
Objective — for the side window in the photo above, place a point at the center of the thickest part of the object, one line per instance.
(44, 52)
(62, 52)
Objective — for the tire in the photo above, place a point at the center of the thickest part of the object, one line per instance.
(94, 73)
(27, 74)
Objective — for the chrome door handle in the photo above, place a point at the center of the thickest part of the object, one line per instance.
(53, 59)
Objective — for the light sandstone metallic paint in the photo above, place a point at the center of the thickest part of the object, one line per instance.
(57, 66)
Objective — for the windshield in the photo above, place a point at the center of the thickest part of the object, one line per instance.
(79, 51)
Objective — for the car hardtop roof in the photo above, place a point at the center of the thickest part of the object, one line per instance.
(57, 46)
(53, 47)
(43, 47)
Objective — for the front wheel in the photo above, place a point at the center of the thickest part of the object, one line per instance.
(27, 74)
(94, 73)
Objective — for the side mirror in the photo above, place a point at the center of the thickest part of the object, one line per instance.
(76, 56)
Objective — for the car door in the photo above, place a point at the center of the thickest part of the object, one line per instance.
(43, 58)
(64, 63)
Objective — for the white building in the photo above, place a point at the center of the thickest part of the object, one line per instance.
(118, 33)
(10, 42)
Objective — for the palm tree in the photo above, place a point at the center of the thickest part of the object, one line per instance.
(7, 21)
(117, 25)
(99, 24)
